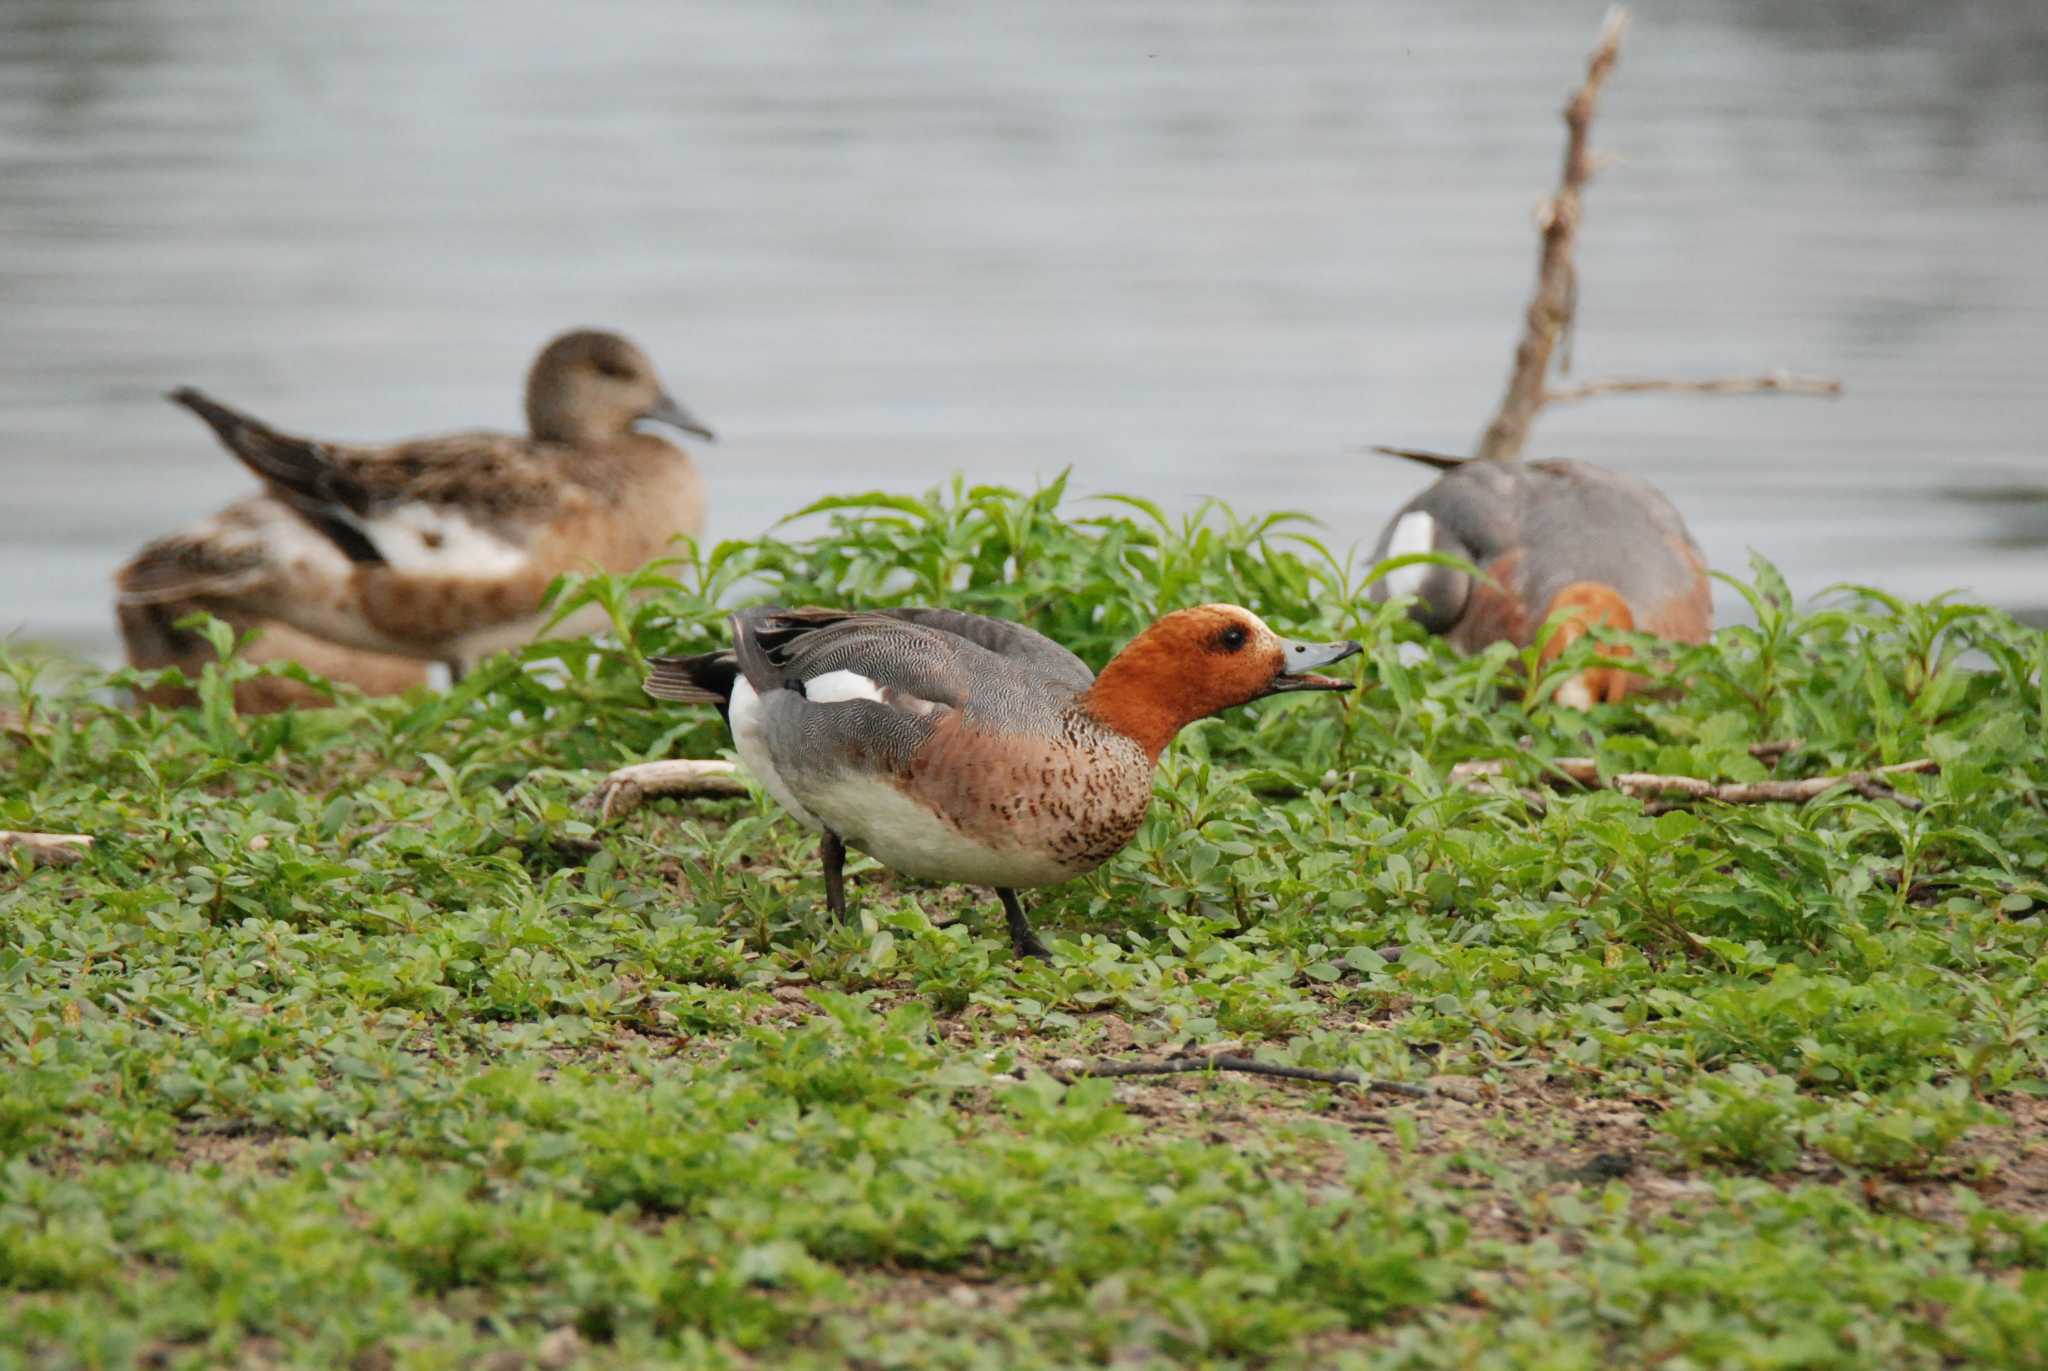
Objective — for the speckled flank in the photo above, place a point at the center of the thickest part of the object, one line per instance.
(1075, 799)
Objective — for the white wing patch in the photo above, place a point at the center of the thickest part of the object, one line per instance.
(1577, 693)
(437, 540)
(837, 687)
(1414, 532)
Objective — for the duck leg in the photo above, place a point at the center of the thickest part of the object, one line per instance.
(1022, 939)
(834, 853)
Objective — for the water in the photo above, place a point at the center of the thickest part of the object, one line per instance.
(1186, 247)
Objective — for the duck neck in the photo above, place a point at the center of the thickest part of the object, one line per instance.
(1140, 697)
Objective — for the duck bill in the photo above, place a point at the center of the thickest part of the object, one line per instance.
(1300, 661)
(669, 410)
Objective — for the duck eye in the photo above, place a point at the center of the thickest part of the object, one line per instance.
(613, 368)
(1231, 639)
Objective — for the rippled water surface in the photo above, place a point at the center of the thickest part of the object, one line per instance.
(1185, 247)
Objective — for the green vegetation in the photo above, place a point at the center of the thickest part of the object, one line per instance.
(353, 1041)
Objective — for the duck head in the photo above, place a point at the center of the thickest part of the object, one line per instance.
(1202, 661)
(1577, 609)
(590, 385)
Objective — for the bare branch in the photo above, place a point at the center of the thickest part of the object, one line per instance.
(1549, 316)
(1660, 792)
(1649, 785)
(1771, 383)
(45, 849)
(624, 790)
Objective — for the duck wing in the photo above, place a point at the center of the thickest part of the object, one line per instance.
(222, 557)
(451, 503)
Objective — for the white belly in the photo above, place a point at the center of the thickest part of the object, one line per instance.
(743, 714)
(897, 831)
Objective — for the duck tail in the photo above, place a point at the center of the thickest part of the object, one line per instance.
(299, 465)
(1440, 460)
(702, 680)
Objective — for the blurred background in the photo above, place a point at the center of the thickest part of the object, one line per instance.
(1186, 247)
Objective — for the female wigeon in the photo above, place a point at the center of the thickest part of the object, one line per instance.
(440, 548)
(1555, 539)
(952, 747)
(152, 638)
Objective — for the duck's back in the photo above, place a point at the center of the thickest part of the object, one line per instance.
(1538, 527)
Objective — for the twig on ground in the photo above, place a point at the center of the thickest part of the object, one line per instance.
(45, 849)
(1197, 1060)
(1648, 785)
(1550, 311)
(625, 789)
(1776, 382)
(1662, 792)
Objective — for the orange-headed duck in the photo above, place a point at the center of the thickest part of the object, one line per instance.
(952, 747)
(440, 548)
(1556, 540)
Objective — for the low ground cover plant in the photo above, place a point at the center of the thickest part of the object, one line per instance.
(356, 1040)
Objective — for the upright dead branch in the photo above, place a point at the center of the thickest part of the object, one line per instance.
(1550, 310)
(1555, 303)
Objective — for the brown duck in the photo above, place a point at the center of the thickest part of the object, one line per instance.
(440, 548)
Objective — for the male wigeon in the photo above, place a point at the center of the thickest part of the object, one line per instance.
(957, 748)
(1555, 539)
(440, 548)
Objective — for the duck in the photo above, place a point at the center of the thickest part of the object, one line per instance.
(1556, 540)
(958, 748)
(441, 548)
(204, 568)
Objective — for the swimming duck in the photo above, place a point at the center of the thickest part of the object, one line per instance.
(1555, 539)
(440, 548)
(953, 747)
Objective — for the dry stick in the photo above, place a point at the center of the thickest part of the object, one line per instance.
(1646, 785)
(1653, 788)
(1776, 382)
(45, 849)
(625, 789)
(1550, 310)
(1250, 1066)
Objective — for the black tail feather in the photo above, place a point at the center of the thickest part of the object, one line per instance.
(706, 679)
(299, 466)
(1441, 461)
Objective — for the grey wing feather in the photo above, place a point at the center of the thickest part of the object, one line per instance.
(779, 648)
(1028, 648)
